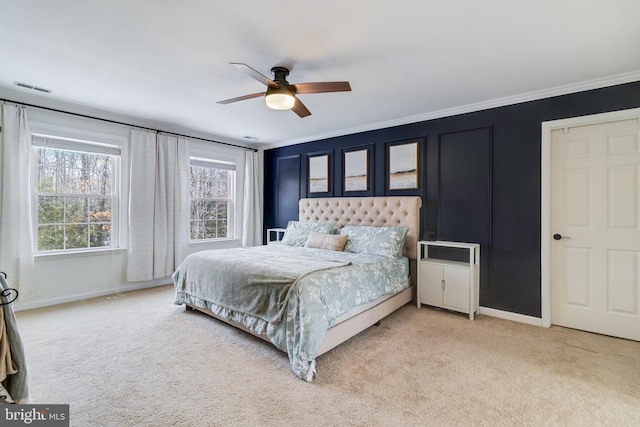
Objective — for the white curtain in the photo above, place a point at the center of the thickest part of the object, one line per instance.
(16, 227)
(252, 205)
(158, 206)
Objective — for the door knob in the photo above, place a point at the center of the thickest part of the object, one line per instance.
(559, 236)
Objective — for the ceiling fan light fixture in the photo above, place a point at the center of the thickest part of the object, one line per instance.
(280, 94)
(279, 99)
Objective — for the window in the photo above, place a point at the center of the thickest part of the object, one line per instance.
(211, 196)
(76, 203)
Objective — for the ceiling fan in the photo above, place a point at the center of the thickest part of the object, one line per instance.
(280, 94)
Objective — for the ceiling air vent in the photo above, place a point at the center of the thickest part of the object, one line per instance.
(28, 86)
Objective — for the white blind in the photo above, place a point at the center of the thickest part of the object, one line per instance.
(47, 141)
(210, 163)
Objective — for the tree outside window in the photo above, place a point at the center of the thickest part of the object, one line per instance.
(74, 197)
(211, 201)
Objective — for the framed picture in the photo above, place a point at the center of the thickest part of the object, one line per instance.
(319, 174)
(403, 166)
(356, 170)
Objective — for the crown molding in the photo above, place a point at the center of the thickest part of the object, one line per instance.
(469, 108)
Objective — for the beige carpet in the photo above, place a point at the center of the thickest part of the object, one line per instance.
(139, 360)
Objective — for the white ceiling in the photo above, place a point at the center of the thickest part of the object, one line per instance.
(165, 64)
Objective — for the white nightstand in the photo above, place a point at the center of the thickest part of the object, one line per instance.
(274, 235)
(453, 285)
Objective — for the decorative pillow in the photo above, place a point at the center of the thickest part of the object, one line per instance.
(332, 242)
(385, 241)
(297, 232)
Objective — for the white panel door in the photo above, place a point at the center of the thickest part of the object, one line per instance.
(595, 207)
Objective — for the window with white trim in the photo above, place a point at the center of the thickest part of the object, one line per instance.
(76, 194)
(211, 198)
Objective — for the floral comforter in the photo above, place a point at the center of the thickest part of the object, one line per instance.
(313, 302)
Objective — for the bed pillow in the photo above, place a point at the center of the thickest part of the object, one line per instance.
(297, 233)
(385, 241)
(332, 242)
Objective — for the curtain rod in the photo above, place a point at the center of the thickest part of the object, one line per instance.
(124, 124)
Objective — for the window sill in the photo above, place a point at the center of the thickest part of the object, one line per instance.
(79, 254)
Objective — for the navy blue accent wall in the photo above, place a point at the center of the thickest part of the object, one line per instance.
(479, 182)
(287, 187)
(463, 193)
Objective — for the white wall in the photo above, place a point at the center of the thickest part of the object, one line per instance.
(68, 277)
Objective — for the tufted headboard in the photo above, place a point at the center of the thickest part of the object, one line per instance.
(376, 211)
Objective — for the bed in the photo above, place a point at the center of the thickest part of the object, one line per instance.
(300, 296)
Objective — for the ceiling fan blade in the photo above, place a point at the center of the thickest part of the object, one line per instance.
(254, 74)
(300, 109)
(321, 87)
(242, 98)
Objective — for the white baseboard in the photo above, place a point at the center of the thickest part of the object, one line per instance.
(78, 297)
(507, 315)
